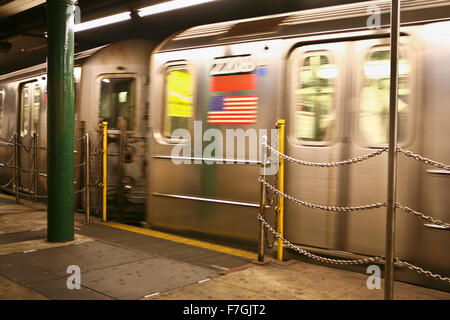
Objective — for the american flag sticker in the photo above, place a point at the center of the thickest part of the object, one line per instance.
(233, 110)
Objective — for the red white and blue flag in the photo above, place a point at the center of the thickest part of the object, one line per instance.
(233, 110)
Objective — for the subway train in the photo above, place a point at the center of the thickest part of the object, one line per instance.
(327, 75)
(115, 79)
(324, 71)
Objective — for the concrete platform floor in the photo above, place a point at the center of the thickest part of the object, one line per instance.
(120, 264)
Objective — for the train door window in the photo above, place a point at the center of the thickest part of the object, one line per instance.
(25, 111)
(117, 99)
(315, 98)
(374, 99)
(179, 99)
(2, 99)
(36, 107)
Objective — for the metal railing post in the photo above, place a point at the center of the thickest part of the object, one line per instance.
(392, 156)
(280, 126)
(262, 204)
(35, 171)
(105, 155)
(88, 182)
(122, 124)
(16, 169)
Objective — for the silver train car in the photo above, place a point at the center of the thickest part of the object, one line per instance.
(327, 74)
(111, 84)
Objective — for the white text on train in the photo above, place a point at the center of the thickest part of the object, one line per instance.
(213, 153)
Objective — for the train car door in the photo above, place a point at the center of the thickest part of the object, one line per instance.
(27, 124)
(370, 132)
(315, 121)
(119, 107)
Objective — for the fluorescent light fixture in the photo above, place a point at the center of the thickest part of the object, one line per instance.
(123, 16)
(168, 6)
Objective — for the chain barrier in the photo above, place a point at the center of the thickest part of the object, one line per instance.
(419, 270)
(422, 216)
(321, 207)
(346, 209)
(426, 160)
(324, 164)
(356, 159)
(96, 174)
(379, 259)
(272, 199)
(9, 187)
(314, 256)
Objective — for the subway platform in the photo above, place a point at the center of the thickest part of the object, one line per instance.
(121, 262)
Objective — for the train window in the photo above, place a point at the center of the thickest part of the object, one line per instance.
(2, 97)
(25, 112)
(315, 110)
(179, 102)
(117, 99)
(374, 101)
(36, 107)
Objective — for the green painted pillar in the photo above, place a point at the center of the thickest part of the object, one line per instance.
(60, 120)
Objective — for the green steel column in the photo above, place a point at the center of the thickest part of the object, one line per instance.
(60, 120)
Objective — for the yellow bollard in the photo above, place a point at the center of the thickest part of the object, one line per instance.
(105, 155)
(280, 126)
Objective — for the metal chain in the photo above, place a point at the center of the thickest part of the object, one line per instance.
(272, 199)
(378, 259)
(426, 160)
(96, 171)
(314, 256)
(422, 216)
(5, 143)
(325, 164)
(5, 185)
(421, 271)
(317, 206)
(7, 162)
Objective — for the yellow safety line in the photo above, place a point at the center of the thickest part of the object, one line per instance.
(196, 243)
(5, 196)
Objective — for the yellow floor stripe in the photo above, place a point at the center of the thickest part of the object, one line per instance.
(192, 242)
(5, 196)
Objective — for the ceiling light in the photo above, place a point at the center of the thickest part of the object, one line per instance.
(168, 6)
(123, 16)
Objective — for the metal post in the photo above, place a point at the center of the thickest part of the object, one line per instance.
(88, 182)
(16, 169)
(392, 156)
(105, 155)
(35, 172)
(60, 120)
(120, 164)
(280, 126)
(262, 204)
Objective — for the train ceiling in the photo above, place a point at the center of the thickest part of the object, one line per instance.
(23, 23)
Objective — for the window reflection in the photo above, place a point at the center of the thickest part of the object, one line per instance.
(315, 110)
(25, 114)
(374, 104)
(179, 102)
(117, 99)
(36, 107)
